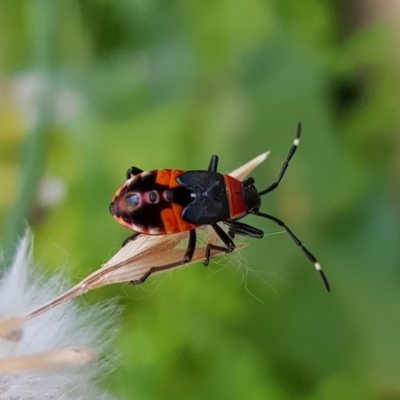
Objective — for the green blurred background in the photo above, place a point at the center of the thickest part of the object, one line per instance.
(89, 88)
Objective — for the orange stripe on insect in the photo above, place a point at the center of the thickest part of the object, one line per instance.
(169, 220)
(182, 225)
(163, 177)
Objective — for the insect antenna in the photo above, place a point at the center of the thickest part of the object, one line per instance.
(303, 249)
(292, 150)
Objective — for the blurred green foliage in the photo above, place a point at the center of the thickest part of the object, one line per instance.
(90, 88)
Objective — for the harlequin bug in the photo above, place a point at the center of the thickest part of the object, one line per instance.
(167, 201)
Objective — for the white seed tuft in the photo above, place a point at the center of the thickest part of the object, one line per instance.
(51, 339)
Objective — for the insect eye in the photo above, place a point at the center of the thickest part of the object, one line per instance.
(132, 201)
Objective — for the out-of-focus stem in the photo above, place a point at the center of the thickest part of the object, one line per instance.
(34, 146)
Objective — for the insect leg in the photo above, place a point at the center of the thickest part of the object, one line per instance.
(130, 238)
(191, 247)
(286, 163)
(304, 250)
(153, 270)
(213, 164)
(242, 229)
(186, 258)
(228, 242)
(248, 181)
(132, 171)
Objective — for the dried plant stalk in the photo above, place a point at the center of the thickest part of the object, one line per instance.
(126, 266)
(49, 359)
(246, 169)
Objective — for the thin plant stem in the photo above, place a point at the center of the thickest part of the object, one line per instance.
(33, 149)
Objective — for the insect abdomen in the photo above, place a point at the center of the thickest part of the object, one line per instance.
(171, 213)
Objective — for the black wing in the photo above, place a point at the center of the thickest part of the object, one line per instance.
(209, 204)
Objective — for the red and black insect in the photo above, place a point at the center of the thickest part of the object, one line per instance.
(167, 201)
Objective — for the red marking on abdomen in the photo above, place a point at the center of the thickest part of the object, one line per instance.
(234, 192)
(169, 220)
